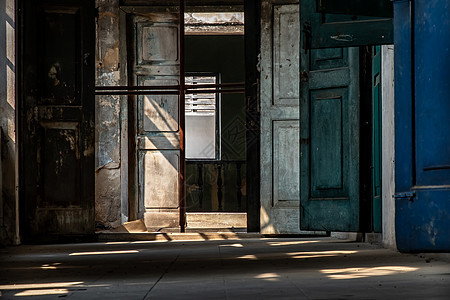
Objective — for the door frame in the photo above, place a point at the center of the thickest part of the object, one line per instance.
(129, 178)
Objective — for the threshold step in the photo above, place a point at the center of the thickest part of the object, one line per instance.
(216, 219)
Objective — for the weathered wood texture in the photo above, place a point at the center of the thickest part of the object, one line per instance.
(329, 139)
(58, 118)
(280, 52)
(154, 59)
(325, 30)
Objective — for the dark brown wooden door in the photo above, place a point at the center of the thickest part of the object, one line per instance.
(57, 145)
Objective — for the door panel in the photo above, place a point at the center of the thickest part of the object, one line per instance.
(286, 189)
(279, 117)
(325, 30)
(329, 140)
(58, 118)
(422, 139)
(158, 113)
(285, 55)
(153, 59)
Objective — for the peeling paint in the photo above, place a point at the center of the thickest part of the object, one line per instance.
(109, 78)
(111, 59)
(107, 150)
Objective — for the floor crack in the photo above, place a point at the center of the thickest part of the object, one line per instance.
(162, 275)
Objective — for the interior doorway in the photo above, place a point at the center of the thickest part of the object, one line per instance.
(183, 75)
(215, 122)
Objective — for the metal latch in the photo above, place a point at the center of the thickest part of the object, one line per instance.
(406, 195)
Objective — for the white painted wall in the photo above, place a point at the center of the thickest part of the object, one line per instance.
(388, 147)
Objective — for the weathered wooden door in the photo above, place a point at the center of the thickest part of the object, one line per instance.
(329, 109)
(422, 126)
(153, 58)
(329, 140)
(280, 117)
(57, 92)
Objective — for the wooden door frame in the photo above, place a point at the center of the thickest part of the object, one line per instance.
(252, 37)
(366, 147)
(128, 118)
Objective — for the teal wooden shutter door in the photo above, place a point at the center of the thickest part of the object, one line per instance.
(325, 30)
(329, 140)
(376, 139)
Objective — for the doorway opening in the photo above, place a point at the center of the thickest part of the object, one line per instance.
(215, 122)
(182, 75)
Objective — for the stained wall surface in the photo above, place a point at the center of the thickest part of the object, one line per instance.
(109, 211)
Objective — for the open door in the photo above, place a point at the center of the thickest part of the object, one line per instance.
(325, 26)
(151, 37)
(57, 120)
(279, 117)
(422, 127)
(329, 140)
(329, 111)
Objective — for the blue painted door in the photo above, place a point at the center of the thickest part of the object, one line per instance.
(422, 146)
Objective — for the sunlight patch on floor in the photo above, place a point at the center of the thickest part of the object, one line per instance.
(353, 273)
(24, 286)
(42, 292)
(315, 254)
(104, 252)
(233, 245)
(291, 243)
(268, 276)
(249, 256)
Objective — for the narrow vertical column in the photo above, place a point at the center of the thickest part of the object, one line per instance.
(182, 191)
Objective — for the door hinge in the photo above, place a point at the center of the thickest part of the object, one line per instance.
(304, 77)
(406, 195)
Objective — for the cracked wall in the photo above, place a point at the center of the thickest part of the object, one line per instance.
(107, 180)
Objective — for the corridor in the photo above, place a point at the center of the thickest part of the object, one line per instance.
(252, 268)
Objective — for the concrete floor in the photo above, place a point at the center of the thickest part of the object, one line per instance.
(258, 268)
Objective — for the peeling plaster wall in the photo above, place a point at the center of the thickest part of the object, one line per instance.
(8, 193)
(107, 180)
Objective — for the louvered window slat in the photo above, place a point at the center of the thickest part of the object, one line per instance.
(200, 104)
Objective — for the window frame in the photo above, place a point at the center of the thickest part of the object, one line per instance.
(218, 117)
